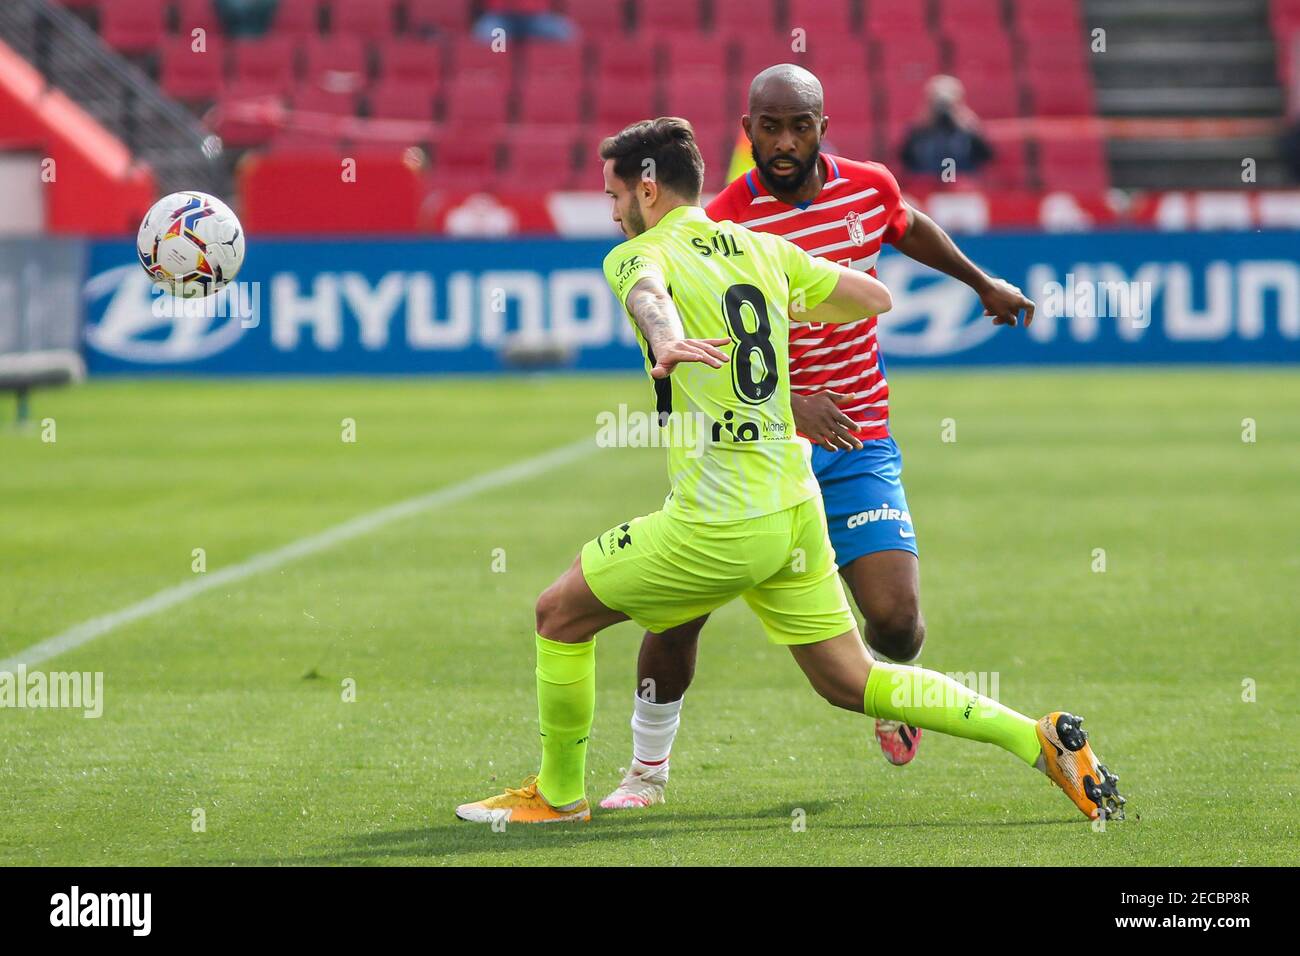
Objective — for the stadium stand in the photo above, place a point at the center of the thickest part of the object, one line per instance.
(1196, 84)
(124, 103)
(351, 59)
(393, 74)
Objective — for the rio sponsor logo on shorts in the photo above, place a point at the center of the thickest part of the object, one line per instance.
(693, 431)
(883, 513)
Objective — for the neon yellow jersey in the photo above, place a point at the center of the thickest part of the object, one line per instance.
(733, 452)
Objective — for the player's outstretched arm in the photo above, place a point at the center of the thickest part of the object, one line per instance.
(856, 295)
(654, 313)
(928, 244)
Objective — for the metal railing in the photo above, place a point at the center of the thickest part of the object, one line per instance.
(182, 153)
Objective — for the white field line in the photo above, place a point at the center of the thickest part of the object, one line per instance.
(87, 631)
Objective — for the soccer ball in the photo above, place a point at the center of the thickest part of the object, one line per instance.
(191, 244)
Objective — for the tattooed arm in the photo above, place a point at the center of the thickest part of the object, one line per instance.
(654, 313)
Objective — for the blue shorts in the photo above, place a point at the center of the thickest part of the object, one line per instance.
(866, 510)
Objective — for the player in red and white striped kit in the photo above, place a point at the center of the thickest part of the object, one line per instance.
(843, 210)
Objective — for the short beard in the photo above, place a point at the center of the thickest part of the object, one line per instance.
(790, 182)
(635, 221)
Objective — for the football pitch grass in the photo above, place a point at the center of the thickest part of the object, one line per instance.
(228, 709)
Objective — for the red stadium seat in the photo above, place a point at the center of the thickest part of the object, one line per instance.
(131, 27)
(336, 62)
(552, 99)
(849, 97)
(972, 17)
(466, 159)
(853, 141)
(363, 18)
(540, 157)
(314, 99)
(197, 14)
(414, 61)
(1007, 169)
(598, 18)
(475, 100)
(716, 141)
(910, 62)
(312, 141)
(627, 62)
(1077, 164)
(820, 18)
(992, 95)
(700, 97)
(736, 17)
(984, 54)
(589, 163)
(893, 130)
(1065, 54)
(268, 60)
(402, 99)
(542, 59)
(667, 17)
(838, 52)
(888, 19)
(903, 101)
(692, 53)
(189, 75)
(439, 16)
(297, 17)
(469, 59)
(1067, 96)
(1036, 19)
(619, 106)
(267, 106)
(757, 53)
(257, 88)
(899, 94)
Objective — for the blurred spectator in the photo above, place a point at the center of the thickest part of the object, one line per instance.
(245, 18)
(522, 18)
(950, 131)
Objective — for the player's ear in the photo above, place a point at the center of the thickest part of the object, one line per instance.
(747, 125)
(826, 121)
(648, 188)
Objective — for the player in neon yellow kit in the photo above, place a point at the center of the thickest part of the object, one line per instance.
(711, 303)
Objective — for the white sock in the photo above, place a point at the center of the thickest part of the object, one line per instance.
(653, 728)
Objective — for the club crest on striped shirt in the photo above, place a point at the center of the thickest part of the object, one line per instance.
(856, 232)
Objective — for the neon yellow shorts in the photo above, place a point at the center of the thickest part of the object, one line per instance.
(661, 572)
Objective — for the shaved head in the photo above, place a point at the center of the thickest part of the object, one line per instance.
(785, 125)
(785, 88)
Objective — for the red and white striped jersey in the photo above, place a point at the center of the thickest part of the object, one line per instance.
(859, 208)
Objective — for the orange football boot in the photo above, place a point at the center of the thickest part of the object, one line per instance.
(1070, 763)
(523, 805)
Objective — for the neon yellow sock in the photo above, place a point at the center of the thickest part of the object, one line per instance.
(566, 704)
(934, 701)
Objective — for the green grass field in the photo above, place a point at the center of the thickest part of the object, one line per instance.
(232, 702)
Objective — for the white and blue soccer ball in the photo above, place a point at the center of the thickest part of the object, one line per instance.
(191, 244)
